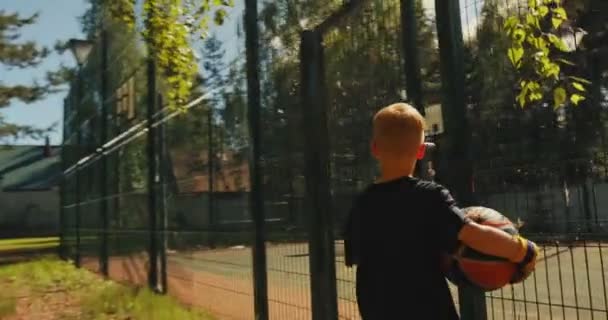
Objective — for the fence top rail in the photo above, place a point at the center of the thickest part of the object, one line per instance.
(132, 133)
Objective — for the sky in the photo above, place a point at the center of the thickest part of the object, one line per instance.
(58, 21)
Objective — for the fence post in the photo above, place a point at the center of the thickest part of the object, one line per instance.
(162, 204)
(104, 161)
(413, 79)
(211, 180)
(152, 174)
(456, 143)
(409, 29)
(78, 173)
(62, 189)
(321, 240)
(77, 213)
(260, 283)
(61, 248)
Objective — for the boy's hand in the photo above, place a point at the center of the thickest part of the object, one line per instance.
(527, 263)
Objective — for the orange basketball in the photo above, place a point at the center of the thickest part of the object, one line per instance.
(470, 267)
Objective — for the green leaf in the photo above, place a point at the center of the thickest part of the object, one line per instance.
(553, 71)
(556, 22)
(536, 96)
(204, 23)
(521, 98)
(511, 23)
(558, 43)
(533, 21)
(519, 35)
(532, 3)
(541, 44)
(204, 8)
(585, 81)
(544, 62)
(560, 13)
(576, 99)
(543, 11)
(515, 55)
(559, 97)
(220, 15)
(533, 85)
(578, 86)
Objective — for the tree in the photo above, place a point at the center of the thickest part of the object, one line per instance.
(22, 55)
(541, 56)
(206, 130)
(169, 28)
(214, 67)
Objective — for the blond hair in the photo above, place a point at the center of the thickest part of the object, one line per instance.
(398, 129)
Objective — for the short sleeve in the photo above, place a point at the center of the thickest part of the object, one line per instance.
(352, 236)
(448, 219)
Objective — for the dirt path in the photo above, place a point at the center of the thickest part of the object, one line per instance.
(45, 306)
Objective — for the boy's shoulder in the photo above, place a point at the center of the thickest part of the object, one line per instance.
(423, 186)
(436, 191)
(414, 191)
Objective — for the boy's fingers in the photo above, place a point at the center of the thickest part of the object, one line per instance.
(529, 264)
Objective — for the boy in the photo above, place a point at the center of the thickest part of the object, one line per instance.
(400, 228)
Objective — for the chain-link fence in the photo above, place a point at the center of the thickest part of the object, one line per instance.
(172, 201)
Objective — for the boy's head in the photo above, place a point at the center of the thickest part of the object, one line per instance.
(398, 133)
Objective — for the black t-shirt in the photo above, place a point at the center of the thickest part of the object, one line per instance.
(395, 234)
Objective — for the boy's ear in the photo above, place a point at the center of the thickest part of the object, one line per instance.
(374, 149)
(421, 152)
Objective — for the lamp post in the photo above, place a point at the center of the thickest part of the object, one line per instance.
(81, 50)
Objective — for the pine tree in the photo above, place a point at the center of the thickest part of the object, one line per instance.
(16, 54)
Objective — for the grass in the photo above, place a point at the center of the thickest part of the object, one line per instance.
(18, 241)
(51, 285)
(28, 244)
(7, 306)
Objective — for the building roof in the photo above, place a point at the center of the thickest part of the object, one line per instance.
(28, 168)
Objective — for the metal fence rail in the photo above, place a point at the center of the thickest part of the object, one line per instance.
(236, 206)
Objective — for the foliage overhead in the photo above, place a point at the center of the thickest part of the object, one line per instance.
(169, 28)
(540, 55)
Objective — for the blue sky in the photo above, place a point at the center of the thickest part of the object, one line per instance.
(58, 20)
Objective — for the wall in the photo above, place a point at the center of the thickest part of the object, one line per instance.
(29, 213)
(555, 210)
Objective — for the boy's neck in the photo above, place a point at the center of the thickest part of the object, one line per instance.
(397, 169)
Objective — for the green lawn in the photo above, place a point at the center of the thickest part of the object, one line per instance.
(51, 286)
(28, 244)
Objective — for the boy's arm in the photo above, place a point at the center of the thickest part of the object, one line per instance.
(494, 242)
(498, 243)
(456, 228)
(351, 235)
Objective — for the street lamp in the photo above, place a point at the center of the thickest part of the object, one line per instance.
(81, 50)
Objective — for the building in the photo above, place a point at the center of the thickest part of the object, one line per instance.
(29, 191)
